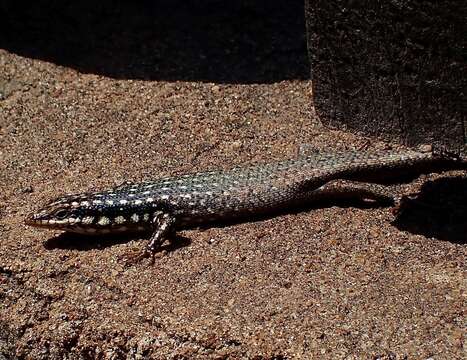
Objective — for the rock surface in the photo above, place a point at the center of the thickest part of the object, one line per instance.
(391, 69)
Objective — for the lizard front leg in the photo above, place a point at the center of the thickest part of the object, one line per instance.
(163, 224)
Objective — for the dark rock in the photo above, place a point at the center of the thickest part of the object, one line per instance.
(392, 69)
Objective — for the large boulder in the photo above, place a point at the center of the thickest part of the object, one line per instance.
(393, 69)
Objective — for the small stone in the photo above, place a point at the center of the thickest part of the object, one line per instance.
(27, 190)
(425, 148)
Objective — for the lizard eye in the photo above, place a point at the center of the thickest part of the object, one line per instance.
(61, 214)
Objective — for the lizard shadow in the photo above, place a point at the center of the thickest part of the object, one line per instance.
(439, 211)
(72, 241)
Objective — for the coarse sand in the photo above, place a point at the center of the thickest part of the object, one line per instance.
(337, 281)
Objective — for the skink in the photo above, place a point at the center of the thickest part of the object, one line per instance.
(167, 204)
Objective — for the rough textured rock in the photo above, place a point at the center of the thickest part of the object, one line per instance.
(394, 69)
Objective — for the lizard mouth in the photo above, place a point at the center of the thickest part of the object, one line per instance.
(38, 220)
(34, 220)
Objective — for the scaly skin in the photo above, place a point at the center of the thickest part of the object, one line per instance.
(164, 205)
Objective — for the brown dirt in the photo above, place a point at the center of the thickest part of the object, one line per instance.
(334, 282)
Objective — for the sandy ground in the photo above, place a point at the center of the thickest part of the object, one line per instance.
(333, 282)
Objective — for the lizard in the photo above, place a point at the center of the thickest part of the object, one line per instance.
(164, 205)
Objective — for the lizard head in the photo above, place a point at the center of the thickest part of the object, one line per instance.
(92, 213)
(67, 213)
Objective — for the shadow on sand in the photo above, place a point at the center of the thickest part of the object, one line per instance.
(439, 211)
(246, 41)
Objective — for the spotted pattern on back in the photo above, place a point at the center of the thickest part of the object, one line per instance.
(209, 196)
